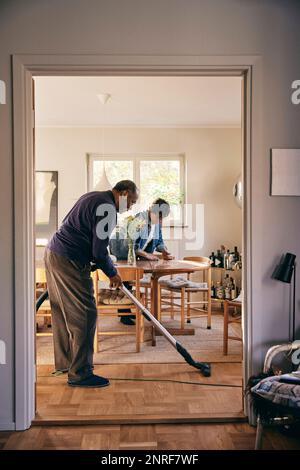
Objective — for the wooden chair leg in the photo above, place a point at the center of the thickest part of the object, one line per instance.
(96, 337)
(159, 303)
(172, 304)
(188, 314)
(138, 330)
(146, 297)
(208, 310)
(209, 283)
(182, 307)
(142, 328)
(225, 329)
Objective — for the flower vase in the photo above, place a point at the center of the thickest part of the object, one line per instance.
(131, 254)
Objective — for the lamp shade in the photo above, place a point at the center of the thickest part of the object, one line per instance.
(103, 183)
(284, 270)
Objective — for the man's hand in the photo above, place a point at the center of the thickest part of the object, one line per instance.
(115, 282)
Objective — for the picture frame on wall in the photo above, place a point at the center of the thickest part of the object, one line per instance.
(285, 172)
(46, 206)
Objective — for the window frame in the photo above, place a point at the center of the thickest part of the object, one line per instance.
(137, 158)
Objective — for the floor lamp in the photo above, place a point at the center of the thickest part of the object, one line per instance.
(284, 273)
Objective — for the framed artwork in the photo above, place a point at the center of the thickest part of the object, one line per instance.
(285, 172)
(46, 205)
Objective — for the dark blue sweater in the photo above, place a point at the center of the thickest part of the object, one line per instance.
(85, 231)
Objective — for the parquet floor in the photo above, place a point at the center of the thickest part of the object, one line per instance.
(128, 402)
(237, 436)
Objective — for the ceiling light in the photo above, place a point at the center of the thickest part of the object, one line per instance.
(104, 97)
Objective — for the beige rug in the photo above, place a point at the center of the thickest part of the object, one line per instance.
(205, 345)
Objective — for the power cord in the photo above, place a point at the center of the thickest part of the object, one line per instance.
(178, 382)
(209, 384)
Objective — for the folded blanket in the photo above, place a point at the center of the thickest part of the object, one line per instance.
(179, 281)
(113, 297)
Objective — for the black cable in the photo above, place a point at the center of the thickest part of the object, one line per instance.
(178, 382)
(163, 380)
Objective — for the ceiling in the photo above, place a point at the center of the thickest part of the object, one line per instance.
(138, 101)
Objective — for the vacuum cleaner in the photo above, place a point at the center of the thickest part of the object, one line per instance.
(203, 367)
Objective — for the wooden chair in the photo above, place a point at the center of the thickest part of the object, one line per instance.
(188, 307)
(227, 321)
(45, 309)
(128, 274)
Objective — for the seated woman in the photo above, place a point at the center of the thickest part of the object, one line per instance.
(148, 241)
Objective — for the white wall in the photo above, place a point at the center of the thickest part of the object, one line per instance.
(268, 28)
(213, 161)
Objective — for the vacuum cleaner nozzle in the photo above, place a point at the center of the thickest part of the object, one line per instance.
(204, 367)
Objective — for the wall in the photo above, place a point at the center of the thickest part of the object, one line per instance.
(269, 28)
(213, 161)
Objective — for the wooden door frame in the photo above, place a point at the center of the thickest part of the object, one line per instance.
(25, 66)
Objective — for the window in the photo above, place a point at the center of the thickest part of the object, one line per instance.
(156, 176)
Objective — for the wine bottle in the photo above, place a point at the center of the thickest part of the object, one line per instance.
(236, 255)
(212, 291)
(226, 260)
(233, 291)
(220, 294)
(227, 293)
(218, 260)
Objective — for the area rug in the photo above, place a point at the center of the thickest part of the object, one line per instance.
(205, 345)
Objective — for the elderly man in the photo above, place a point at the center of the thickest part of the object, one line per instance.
(82, 238)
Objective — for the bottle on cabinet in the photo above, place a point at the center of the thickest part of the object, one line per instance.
(212, 259)
(227, 260)
(236, 255)
(212, 291)
(220, 292)
(219, 260)
(233, 290)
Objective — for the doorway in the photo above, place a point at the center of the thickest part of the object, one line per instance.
(244, 86)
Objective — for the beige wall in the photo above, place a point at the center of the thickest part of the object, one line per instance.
(213, 161)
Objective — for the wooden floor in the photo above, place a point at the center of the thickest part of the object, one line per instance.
(239, 436)
(128, 402)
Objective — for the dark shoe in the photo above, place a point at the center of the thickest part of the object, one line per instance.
(127, 320)
(94, 381)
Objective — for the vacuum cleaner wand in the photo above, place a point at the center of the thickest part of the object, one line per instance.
(204, 367)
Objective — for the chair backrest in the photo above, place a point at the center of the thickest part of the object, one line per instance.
(206, 271)
(127, 273)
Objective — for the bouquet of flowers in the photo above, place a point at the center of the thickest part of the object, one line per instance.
(134, 226)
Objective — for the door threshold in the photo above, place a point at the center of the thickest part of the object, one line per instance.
(138, 419)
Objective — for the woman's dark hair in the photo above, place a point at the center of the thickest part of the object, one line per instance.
(126, 185)
(161, 207)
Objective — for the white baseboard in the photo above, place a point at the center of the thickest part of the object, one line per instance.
(7, 426)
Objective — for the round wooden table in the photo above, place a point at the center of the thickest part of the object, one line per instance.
(162, 268)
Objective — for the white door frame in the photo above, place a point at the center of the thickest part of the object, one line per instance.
(24, 67)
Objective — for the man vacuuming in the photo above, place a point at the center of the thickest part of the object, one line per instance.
(82, 238)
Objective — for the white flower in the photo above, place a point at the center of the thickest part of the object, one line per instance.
(134, 226)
